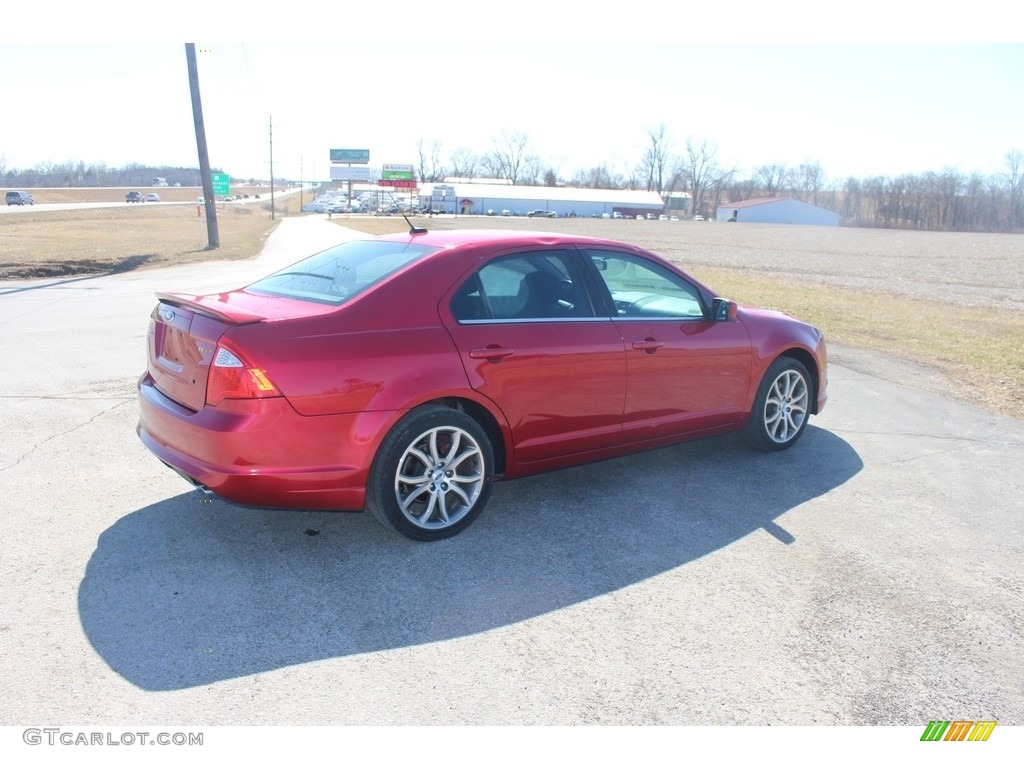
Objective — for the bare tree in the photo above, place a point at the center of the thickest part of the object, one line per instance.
(807, 182)
(598, 177)
(463, 164)
(774, 177)
(949, 185)
(701, 172)
(429, 160)
(510, 160)
(655, 161)
(1015, 180)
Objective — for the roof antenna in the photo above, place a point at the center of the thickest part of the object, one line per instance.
(413, 230)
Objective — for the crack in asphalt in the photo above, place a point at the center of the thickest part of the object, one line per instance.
(956, 438)
(86, 423)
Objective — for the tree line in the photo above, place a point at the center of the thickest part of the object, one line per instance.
(79, 174)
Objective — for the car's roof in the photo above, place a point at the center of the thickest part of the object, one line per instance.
(500, 238)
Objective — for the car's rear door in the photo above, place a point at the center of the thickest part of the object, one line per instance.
(531, 343)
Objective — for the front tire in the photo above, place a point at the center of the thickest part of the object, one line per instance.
(433, 474)
(781, 407)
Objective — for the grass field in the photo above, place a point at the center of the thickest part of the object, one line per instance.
(43, 243)
(951, 301)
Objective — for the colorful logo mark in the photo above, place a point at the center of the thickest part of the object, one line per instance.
(958, 730)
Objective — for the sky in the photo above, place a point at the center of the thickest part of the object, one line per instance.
(785, 86)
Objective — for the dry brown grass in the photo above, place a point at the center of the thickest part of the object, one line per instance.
(53, 243)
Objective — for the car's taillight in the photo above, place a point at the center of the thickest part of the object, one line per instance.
(231, 376)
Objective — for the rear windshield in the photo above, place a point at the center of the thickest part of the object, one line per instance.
(338, 274)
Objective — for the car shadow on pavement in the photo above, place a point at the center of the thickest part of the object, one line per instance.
(188, 591)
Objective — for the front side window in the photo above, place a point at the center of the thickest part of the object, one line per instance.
(642, 289)
(540, 285)
(340, 273)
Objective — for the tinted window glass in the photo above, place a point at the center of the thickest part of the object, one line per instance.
(541, 285)
(640, 288)
(337, 274)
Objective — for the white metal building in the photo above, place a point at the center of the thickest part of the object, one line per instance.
(480, 199)
(777, 210)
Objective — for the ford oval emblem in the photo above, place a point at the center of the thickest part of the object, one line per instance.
(167, 315)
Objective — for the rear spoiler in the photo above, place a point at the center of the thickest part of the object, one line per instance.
(208, 305)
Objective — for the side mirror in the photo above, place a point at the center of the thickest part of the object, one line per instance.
(723, 310)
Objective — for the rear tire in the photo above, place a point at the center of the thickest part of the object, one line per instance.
(781, 407)
(433, 474)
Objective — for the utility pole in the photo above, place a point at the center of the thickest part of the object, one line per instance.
(213, 237)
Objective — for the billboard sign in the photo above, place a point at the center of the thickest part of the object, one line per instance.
(347, 173)
(395, 172)
(361, 156)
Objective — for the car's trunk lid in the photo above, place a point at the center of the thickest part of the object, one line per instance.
(183, 336)
(185, 329)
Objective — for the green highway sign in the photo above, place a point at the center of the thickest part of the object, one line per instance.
(221, 183)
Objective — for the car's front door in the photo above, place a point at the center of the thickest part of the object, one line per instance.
(686, 372)
(531, 343)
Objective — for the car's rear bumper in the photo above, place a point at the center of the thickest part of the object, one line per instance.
(261, 452)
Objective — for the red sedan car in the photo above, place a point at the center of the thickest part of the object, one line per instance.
(404, 374)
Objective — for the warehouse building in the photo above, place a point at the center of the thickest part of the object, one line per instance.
(777, 210)
(466, 198)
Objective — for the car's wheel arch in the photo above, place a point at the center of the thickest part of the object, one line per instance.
(811, 364)
(801, 355)
(490, 420)
(403, 463)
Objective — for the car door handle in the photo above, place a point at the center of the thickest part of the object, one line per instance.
(649, 345)
(491, 353)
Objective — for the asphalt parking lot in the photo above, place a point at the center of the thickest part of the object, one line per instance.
(869, 576)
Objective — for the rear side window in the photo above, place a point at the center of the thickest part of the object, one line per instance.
(540, 285)
(338, 274)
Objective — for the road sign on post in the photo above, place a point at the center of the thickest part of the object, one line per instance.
(221, 184)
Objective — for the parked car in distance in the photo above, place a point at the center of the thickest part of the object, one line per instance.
(698, 217)
(15, 197)
(404, 374)
(134, 197)
(152, 197)
(542, 214)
